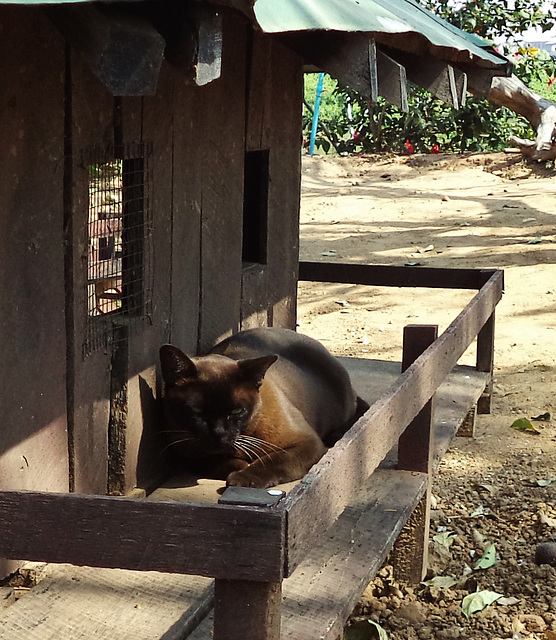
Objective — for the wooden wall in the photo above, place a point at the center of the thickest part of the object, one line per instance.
(33, 441)
(101, 407)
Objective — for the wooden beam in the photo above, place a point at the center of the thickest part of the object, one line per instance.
(350, 58)
(416, 453)
(193, 35)
(121, 48)
(392, 81)
(394, 276)
(218, 541)
(485, 362)
(437, 77)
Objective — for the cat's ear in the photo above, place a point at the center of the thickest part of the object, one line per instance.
(175, 365)
(254, 369)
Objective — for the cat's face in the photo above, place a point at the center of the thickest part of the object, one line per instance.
(209, 401)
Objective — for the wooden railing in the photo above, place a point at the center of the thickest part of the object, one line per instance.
(250, 548)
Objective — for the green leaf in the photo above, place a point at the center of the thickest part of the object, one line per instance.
(365, 630)
(441, 582)
(523, 424)
(478, 601)
(488, 558)
(546, 483)
(445, 539)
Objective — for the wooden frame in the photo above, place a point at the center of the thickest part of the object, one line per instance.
(251, 548)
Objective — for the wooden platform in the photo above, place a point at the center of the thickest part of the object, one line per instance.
(74, 603)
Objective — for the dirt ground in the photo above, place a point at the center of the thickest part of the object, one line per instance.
(478, 210)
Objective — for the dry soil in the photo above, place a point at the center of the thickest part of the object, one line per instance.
(454, 211)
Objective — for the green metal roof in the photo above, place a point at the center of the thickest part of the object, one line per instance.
(378, 16)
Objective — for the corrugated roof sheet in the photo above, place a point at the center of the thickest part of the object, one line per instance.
(371, 16)
(379, 16)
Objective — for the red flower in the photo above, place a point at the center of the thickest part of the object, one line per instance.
(435, 148)
(356, 136)
(550, 81)
(409, 147)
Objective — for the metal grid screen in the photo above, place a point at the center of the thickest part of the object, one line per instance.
(119, 233)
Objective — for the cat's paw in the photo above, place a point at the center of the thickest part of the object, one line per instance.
(247, 478)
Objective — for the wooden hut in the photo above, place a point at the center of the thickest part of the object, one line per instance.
(149, 192)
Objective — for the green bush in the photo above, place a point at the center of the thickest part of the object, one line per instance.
(478, 126)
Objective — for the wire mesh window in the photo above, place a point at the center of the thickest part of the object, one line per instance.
(119, 256)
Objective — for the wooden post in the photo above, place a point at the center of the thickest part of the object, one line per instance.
(415, 453)
(485, 362)
(244, 608)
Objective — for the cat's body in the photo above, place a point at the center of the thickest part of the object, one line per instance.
(258, 410)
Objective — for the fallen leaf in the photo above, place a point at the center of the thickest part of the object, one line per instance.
(365, 630)
(528, 220)
(507, 602)
(440, 582)
(429, 248)
(479, 511)
(331, 252)
(445, 539)
(488, 559)
(546, 483)
(478, 601)
(523, 424)
(342, 303)
(547, 520)
(536, 240)
(543, 417)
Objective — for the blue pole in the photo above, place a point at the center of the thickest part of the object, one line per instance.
(316, 114)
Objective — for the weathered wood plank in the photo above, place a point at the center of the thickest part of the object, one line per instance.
(347, 465)
(392, 81)
(416, 444)
(207, 540)
(222, 191)
(88, 386)
(322, 592)
(33, 443)
(246, 609)
(485, 361)
(394, 276)
(416, 453)
(80, 603)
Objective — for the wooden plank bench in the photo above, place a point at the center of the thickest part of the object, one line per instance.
(288, 566)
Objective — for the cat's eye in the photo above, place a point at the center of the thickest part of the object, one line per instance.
(236, 411)
(197, 410)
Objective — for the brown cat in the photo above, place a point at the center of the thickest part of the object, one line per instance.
(259, 409)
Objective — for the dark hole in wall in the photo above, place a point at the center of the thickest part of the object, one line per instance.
(255, 206)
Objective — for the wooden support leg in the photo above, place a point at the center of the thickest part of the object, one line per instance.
(485, 362)
(245, 609)
(467, 427)
(415, 453)
(410, 553)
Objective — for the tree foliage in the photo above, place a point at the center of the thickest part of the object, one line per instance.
(353, 126)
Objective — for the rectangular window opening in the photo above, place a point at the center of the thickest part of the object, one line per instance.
(255, 207)
(118, 237)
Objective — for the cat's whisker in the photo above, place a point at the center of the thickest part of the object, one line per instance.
(170, 444)
(249, 452)
(261, 444)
